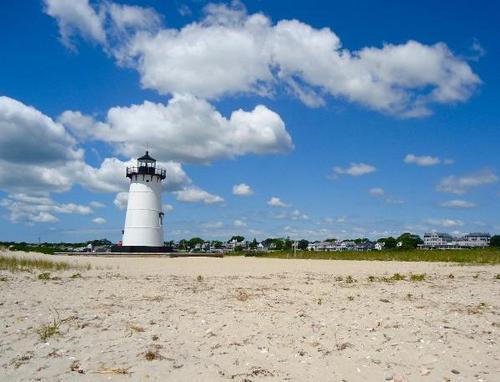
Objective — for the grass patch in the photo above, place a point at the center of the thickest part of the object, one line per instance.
(49, 330)
(44, 276)
(497, 276)
(349, 279)
(397, 277)
(465, 256)
(199, 278)
(14, 264)
(417, 277)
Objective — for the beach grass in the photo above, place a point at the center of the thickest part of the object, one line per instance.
(14, 264)
(465, 256)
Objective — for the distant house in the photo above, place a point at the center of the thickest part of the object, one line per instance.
(474, 240)
(379, 246)
(437, 240)
(336, 246)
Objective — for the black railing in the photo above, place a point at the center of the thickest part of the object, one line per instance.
(143, 170)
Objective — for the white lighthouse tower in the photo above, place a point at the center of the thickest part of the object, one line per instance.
(144, 219)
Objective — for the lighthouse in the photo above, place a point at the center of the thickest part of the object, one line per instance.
(144, 219)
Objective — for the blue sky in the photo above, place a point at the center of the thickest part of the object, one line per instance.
(357, 119)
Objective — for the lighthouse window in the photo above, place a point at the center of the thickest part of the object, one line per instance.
(147, 180)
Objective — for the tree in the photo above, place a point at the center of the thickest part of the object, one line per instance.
(183, 244)
(193, 242)
(287, 244)
(238, 239)
(332, 240)
(409, 240)
(361, 240)
(495, 241)
(274, 243)
(390, 242)
(254, 244)
(303, 244)
(217, 244)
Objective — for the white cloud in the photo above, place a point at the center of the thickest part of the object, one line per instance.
(276, 202)
(239, 223)
(110, 176)
(355, 169)
(424, 160)
(445, 222)
(213, 225)
(36, 153)
(186, 129)
(242, 189)
(76, 17)
(99, 220)
(197, 195)
(393, 200)
(230, 51)
(376, 191)
(128, 18)
(297, 215)
(121, 200)
(95, 204)
(167, 208)
(457, 203)
(39, 208)
(462, 184)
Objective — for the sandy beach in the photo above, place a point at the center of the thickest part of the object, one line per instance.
(251, 319)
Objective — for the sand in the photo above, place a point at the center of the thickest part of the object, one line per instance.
(249, 319)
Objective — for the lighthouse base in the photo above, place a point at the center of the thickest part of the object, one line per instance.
(141, 249)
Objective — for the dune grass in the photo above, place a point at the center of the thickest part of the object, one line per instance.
(465, 256)
(14, 264)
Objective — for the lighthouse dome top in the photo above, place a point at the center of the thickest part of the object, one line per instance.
(146, 165)
(146, 158)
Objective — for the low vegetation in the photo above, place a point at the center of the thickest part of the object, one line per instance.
(465, 256)
(49, 330)
(14, 264)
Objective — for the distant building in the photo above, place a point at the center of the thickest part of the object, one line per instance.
(474, 240)
(337, 246)
(437, 240)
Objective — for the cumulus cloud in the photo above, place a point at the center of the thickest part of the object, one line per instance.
(276, 202)
(39, 208)
(462, 184)
(230, 51)
(167, 208)
(426, 160)
(242, 189)
(110, 176)
(36, 153)
(96, 204)
(447, 223)
(187, 129)
(376, 191)
(76, 17)
(355, 169)
(457, 203)
(99, 220)
(239, 223)
(197, 195)
(121, 200)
